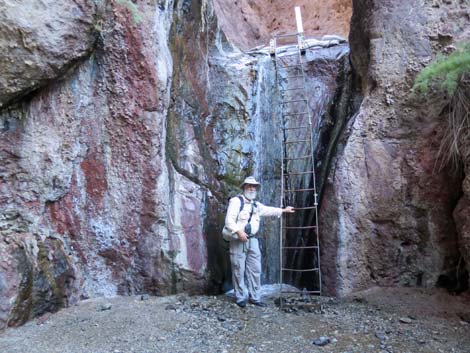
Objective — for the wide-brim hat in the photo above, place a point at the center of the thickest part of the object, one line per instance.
(250, 181)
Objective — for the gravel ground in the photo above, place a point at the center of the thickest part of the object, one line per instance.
(379, 320)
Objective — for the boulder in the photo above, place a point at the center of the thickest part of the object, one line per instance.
(40, 40)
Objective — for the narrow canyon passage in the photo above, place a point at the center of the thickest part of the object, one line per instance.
(126, 126)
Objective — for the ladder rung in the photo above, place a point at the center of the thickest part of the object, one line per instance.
(298, 190)
(305, 208)
(296, 158)
(296, 128)
(300, 247)
(291, 114)
(303, 227)
(300, 173)
(296, 141)
(301, 292)
(299, 66)
(291, 89)
(294, 190)
(295, 100)
(305, 270)
(294, 76)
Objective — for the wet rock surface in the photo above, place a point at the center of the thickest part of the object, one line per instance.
(366, 322)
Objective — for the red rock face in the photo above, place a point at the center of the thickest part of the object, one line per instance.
(386, 218)
(91, 178)
(95, 178)
(63, 215)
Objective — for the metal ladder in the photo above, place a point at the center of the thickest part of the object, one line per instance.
(299, 238)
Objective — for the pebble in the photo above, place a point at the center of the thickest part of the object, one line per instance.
(227, 326)
(104, 307)
(42, 319)
(380, 336)
(405, 320)
(144, 297)
(322, 341)
(465, 317)
(170, 307)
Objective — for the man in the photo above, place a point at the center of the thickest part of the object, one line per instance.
(242, 219)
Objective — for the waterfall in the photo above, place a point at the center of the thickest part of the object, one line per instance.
(324, 68)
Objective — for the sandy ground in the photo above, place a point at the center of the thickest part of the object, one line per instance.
(377, 320)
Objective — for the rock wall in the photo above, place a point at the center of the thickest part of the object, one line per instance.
(84, 184)
(387, 210)
(118, 155)
(34, 52)
(116, 171)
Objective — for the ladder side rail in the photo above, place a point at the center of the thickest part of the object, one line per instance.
(281, 231)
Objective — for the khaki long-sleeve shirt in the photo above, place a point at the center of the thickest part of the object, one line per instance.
(260, 211)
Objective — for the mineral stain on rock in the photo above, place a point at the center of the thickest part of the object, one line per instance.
(94, 174)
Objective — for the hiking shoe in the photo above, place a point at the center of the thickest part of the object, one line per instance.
(261, 304)
(241, 304)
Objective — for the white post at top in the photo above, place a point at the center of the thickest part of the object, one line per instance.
(298, 18)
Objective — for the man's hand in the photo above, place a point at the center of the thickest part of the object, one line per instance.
(288, 209)
(242, 236)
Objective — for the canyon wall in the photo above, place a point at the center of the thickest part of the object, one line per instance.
(85, 189)
(126, 128)
(387, 209)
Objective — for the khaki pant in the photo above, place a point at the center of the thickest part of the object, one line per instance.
(246, 269)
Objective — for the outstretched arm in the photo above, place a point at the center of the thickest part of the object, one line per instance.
(266, 211)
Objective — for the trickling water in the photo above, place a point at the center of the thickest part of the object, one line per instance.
(268, 152)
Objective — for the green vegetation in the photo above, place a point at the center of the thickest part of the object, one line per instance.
(445, 72)
(134, 10)
(451, 74)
